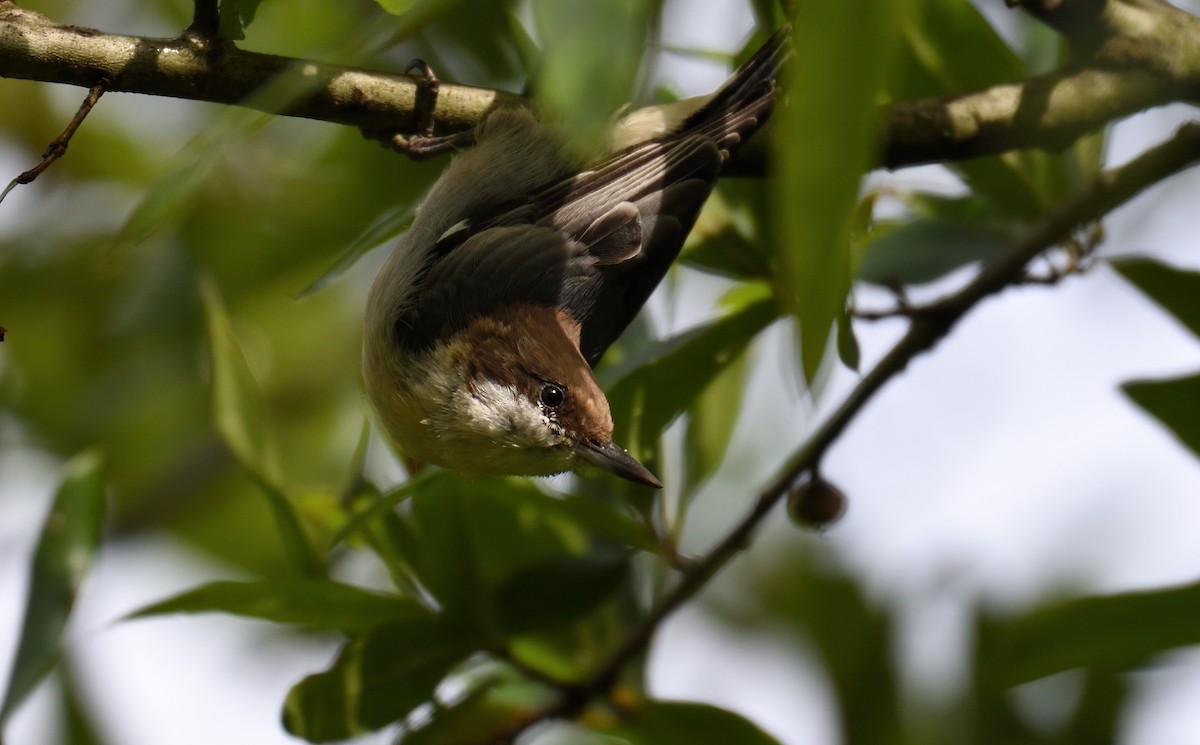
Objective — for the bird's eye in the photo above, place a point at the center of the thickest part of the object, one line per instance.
(552, 395)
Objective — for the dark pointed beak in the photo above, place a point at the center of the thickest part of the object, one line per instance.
(610, 457)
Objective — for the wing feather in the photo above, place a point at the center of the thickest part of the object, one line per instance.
(597, 243)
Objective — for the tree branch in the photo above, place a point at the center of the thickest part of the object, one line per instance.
(206, 19)
(1128, 55)
(33, 47)
(1047, 112)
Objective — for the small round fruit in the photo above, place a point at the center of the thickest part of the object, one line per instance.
(816, 503)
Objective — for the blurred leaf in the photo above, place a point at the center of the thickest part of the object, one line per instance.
(678, 723)
(1175, 403)
(1101, 710)
(561, 656)
(1088, 154)
(397, 7)
(654, 388)
(1176, 290)
(311, 603)
(710, 423)
(831, 132)
(381, 504)
(69, 540)
(847, 343)
(78, 721)
(556, 592)
(948, 47)
(1106, 632)
(376, 680)
(238, 411)
(497, 528)
(850, 635)
(493, 32)
(727, 238)
(173, 193)
(392, 540)
(235, 16)
(768, 13)
(583, 83)
(239, 417)
(609, 518)
(726, 253)
(387, 228)
(927, 249)
(854, 641)
(499, 705)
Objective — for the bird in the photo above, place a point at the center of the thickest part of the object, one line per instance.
(523, 265)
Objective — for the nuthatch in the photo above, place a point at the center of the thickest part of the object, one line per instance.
(522, 267)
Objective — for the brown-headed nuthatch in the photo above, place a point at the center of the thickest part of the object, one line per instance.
(522, 267)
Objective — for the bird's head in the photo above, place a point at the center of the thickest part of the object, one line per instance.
(508, 394)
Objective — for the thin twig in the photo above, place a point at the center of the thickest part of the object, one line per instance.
(1109, 190)
(58, 146)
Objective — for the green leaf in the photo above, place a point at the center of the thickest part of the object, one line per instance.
(1175, 403)
(830, 125)
(241, 421)
(948, 47)
(847, 342)
(609, 518)
(376, 680)
(727, 238)
(556, 592)
(397, 7)
(173, 193)
(849, 633)
(235, 16)
(495, 528)
(927, 249)
(79, 722)
(499, 705)
(386, 228)
(1109, 632)
(678, 723)
(582, 83)
(311, 603)
(383, 503)
(710, 422)
(1176, 290)
(237, 406)
(654, 388)
(64, 554)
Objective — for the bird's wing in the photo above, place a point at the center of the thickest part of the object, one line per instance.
(491, 268)
(597, 255)
(597, 243)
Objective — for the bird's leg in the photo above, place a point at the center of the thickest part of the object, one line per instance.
(424, 144)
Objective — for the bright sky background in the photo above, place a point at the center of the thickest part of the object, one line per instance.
(1005, 464)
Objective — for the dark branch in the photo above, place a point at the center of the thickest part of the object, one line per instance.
(206, 20)
(58, 146)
